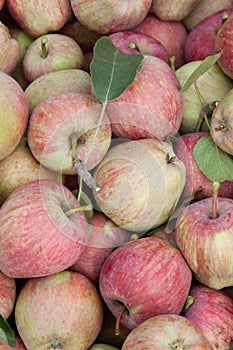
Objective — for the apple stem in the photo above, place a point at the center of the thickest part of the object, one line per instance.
(188, 303)
(44, 51)
(214, 199)
(76, 210)
(172, 61)
(118, 320)
(132, 45)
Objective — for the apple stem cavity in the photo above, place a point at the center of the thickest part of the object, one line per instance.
(214, 199)
(44, 51)
(222, 125)
(118, 320)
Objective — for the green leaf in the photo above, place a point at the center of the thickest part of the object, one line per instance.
(6, 333)
(231, 344)
(215, 164)
(112, 70)
(200, 70)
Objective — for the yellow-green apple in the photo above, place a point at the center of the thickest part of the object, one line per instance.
(65, 80)
(14, 114)
(172, 34)
(10, 50)
(49, 53)
(204, 236)
(62, 128)
(101, 346)
(144, 278)
(38, 17)
(221, 125)
(204, 9)
(211, 87)
(7, 295)
(197, 185)
(151, 106)
(106, 16)
(173, 10)
(60, 311)
(19, 344)
(212, 312)
(200, 42)
(105, 236)
(21, 167)
(133, 42)
(133, 177)
(38, 235)
(164, 332)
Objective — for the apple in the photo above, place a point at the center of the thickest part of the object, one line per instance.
(19, 344)
(105, 236)
(200, 41)
(197, 185)
(63, 120)
(212, 312)
(2, 2)
(132, 42)
(151, 107)
(133, 177)
(173, 10)
(212, 86)
(21, 167)
(49, 53)
(65, 80)
(102, 347)
(204, 237)
(14, 114)
(164, 332)
(144, 278)
(10, 50)
(172, 34)
(60, 311)
(36, 18)
(7, 295)
(222, 123)
(106, 16)
(204, 9)
(37, 235)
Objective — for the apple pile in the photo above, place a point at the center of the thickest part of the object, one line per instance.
(116, 175)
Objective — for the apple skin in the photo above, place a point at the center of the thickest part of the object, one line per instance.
(63, 310)
(197, 184)
(27, 252)
(107, 17)
(212, 312)
(10, 50)
(166, 280)
(14, 114)
(62, 52)
(132, 42)
(221, 126)
(212, 85)
(56, 119)
(105, 237)
(173, 10)
(151, 106)
(65, 80)
(7, 295)
(141, 169)
(164, 332)
(19, 344)
(2, 3)
(37, 18)
(200, 42)
(103, 347)
(207, 243)
(172, 34)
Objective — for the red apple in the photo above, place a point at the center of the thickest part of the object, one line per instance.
(60, 311)
(164, 332)
(14, 114)
(65, 119)
(206, 241)
(132, 42)
(19, 345)
(50, 53)
(212, 312)
(10, 51)
(106, 16)
(37, 17)
(36, 235)
(144, 278)
(172, 34)
(173, 10)
(2, 2)
(7, 295)
(133, 177)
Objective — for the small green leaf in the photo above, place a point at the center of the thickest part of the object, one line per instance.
(6, 333)
(215, 164)
(112, 70)
(231, 344)
(200, 70)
